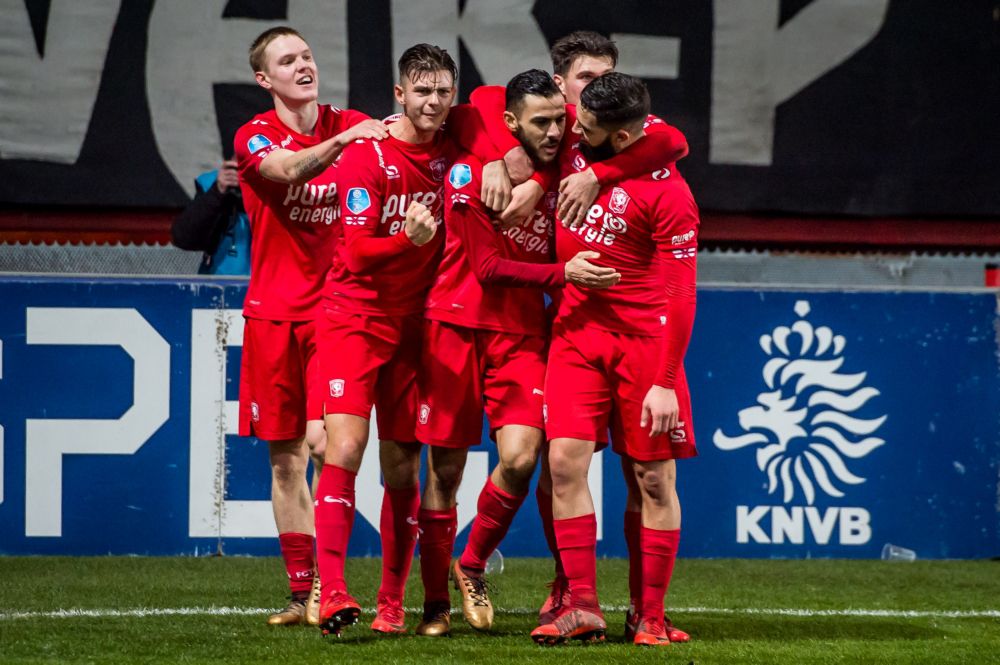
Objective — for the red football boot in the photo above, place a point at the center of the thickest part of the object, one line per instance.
(675, 634)
(390, 619)
(581, 621)
(556, 603)
(655, 633)
(338, 611)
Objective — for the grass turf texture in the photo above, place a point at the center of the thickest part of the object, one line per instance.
(724, 631)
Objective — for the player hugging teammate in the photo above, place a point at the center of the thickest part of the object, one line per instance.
(433, 312)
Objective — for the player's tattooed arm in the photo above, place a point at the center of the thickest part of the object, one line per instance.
(298, 167)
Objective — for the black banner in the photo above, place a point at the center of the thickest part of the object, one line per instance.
(823, 107)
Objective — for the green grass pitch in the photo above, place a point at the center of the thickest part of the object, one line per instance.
(737, 611)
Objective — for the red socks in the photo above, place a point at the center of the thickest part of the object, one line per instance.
(398, 526)
(495, 512)
(545, 512)
(659, 551)
(334, 519)
(633, 537)
(577, 539)
(437, 540)
(297, 551)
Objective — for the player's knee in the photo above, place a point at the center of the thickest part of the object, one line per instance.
(657, 485)
(447, 477)
(519, 467)
(344, 452)
(565, 470)
(287, 471)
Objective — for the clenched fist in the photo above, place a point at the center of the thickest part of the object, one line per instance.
(420, 225)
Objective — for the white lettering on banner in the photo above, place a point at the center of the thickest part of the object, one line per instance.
(792, 524)
(195, 39)
(77, 39)
(749, 46)
(213, 417)
(501, 36)
(46, 441)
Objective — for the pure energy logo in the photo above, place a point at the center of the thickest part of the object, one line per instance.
(807, 435)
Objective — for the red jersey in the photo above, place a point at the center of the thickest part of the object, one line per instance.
(377, 269)
(482, 281)
(647, 229)
(294, 227)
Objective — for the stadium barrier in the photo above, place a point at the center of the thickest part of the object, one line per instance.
(828, 423)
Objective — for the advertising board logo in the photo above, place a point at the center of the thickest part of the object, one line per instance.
(807, 435)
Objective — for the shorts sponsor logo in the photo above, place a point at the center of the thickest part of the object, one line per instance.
(358, 200)
(337, 388)
(425, 414)
(545, 413)
(807, 432)
(257, 142)
(254, 412)
(437, 168)
(679, 433)
(460, 176)
(619, 201)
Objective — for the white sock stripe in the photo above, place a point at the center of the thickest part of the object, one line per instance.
(143, 612)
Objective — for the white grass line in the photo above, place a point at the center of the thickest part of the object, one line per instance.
(747, 611)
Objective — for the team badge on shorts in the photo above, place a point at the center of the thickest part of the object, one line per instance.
(425, 414)
(460, 176)
(358, 200)
(257, 142)
(254, 412)
(619, 201)
(337, 388)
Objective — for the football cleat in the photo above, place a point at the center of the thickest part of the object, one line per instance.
(673, 633)
(390, 618)
(476, 606)
(338, 611)
(556, 603)
(574, 624)
(436, 621)
(292, 615)
(312, 604)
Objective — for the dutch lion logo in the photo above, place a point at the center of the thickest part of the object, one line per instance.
(804, 425)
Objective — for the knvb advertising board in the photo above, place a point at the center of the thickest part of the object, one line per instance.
(828, 424)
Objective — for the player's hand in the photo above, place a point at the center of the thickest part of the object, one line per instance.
(576, 194)
(580, 271)
(660, 410)
(523, 200)
(228, 177)
(368, 129)
(420, 225)
(519, 165)
(496, 186)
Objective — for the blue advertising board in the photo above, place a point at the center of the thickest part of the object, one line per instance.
(828, 423)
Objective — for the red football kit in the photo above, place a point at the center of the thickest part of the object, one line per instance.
(372, 323)
(295, 228)
(485, 338)
(601, 360)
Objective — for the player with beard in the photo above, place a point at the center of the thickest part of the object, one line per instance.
(577, 59)
(371, 329)
(285, 158)
(599, 370)
(484, 346)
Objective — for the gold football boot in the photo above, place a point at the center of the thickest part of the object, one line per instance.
(476, 606)
(312, 605)
(292, 615)
(436, 621)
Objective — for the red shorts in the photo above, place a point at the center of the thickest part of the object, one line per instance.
(369, 360)
(469, 370)
(598, 379)
(280, 384)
